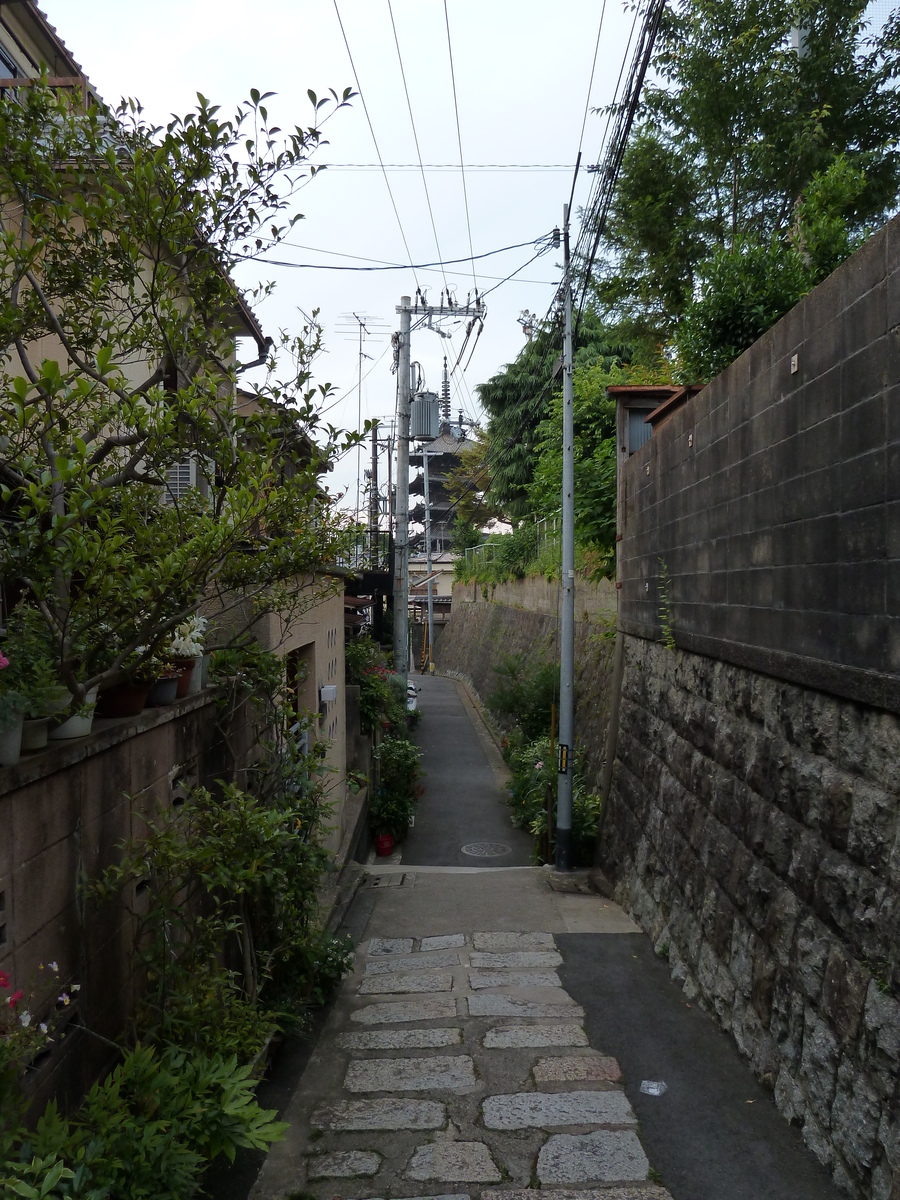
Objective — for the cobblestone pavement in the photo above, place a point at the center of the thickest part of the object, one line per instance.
(456, 1066)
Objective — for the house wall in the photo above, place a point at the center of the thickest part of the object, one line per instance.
(753, 825)
(63, 813)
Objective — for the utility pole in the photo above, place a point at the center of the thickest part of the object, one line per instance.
(565, 750)
(428, 564)
(373, 502)
(401, 542)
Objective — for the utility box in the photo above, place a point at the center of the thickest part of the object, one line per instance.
(424, 417)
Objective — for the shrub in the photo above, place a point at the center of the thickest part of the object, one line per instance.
(533, 787)
(524, 694)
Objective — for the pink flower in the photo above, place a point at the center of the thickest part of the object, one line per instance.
(4, 980)
(15, 998)
(539, 765)
(4, 662)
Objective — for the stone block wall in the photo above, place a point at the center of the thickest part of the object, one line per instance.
(483, 630)
(754, 831)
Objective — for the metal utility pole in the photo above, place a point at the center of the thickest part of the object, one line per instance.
(565, 766)
(373, 502)
(401, 542)
(428, 564)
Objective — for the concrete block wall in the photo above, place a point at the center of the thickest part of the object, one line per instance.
(63, 814)
(773, 497)
(753, 825)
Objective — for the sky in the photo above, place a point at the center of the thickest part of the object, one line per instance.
(523, 84)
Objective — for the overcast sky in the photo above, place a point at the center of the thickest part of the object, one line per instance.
(522, 73)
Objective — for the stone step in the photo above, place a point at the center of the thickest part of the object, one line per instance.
(438, 1009)
(456, 1162)
(400, 1039)
(410, 1074)
(389, 946)
(607, 1156)
(575, 1069)
(387, 1113)
(400, 984)
(522, 979)
(548, 1110)
(638, 1191)
(492, 1005)
(513, 941)
(443, 941)
(514, 1037)
(412, 962)
(343, 1164)
(515, 960)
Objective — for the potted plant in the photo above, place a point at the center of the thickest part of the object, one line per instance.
(394, 803)
(36, 678)
(390, 815)
(79, 723)
(12, 708)
(165, 688)
(129, 697)
(185, 648)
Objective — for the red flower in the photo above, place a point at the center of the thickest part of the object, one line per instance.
(4, 980)
(15, 998)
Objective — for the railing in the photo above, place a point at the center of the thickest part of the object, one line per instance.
(548, 532)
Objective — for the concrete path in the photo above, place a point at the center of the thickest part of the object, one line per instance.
(493, 1039)
(455, 1063)
(462, 819)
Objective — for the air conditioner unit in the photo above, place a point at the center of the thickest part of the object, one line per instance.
(328, 693)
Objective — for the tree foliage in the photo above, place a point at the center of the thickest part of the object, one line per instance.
(117, 326)
(734, 132)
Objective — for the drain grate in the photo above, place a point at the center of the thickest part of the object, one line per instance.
(393, 880)
(486, 849)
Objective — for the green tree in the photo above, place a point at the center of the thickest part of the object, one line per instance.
(117, 324)
(731, 134)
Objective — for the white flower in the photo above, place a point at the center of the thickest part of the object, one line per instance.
(43, 1027)
(54, 966)
(76, 987)
(25, 1019)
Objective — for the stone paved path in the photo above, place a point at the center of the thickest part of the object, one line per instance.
(457, 1067)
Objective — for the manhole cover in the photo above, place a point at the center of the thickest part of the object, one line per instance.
(486, 849)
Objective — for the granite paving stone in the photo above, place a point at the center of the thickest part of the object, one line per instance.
(344, 1164)
(574, 1069)
(436, 1009)
(547, 1110)
(496, 979)
(410, 1074)
(401, 984)
(513, 941)
(444, 941)
(515, 959)
(514, 1037)
(607, 1156)
(390, 946)
(463, 1162)
(489, 1005)
(411, 962)
(645, 1191)
(387, 1113)
(400, 1039)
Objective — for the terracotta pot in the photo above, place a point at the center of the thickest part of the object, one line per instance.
(123, 700)
(163, 692)
(384, 844)
(186, 667)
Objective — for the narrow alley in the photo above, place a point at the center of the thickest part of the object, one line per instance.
(503, 1030)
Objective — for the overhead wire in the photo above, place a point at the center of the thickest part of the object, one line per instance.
(374, 139)
(447, 262)
(462, 167)
(412, 122)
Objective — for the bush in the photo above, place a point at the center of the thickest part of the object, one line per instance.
(532, 785)
(395, 799)
(524, 694)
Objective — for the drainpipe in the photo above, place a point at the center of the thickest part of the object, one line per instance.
(612, 734)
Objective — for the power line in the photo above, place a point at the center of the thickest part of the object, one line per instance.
(416, 140)
(462, 168)
(374, 140)
(445, 166)
(447, 262)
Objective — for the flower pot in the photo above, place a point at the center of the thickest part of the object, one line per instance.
(204, 674)
(76, 726)
(34, 733)
(196, 684)
(186, 669)
(123, 700)
(384, 844)
(163, 692)
(11, 741)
